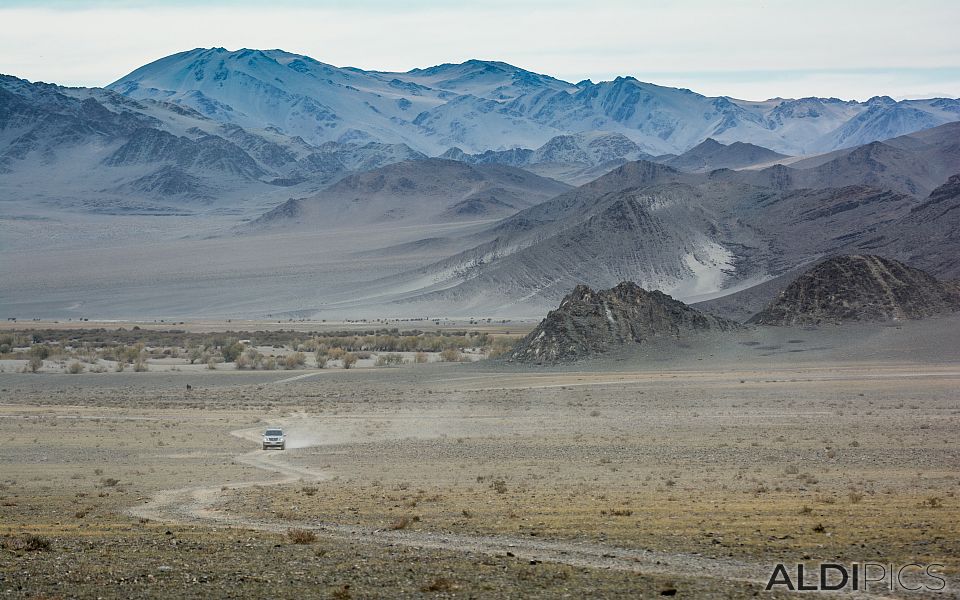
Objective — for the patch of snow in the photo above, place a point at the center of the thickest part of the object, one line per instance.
(710, 265)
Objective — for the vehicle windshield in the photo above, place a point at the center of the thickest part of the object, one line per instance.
(274, 432)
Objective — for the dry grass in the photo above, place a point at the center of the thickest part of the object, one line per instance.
(301, 536)
(28, 542)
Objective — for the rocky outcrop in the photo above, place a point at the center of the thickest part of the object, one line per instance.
(859, 288)
(591, 322)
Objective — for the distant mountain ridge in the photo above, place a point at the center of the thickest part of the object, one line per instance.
(711, 154)
(575, 158)
(96, 150)
(483, 105)
(421, 191)
(696, 235)
(336, 173)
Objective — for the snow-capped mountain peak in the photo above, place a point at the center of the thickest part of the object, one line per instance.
(481, 105)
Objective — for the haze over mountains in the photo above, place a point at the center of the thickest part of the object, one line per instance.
(420, 191)
(257, 183)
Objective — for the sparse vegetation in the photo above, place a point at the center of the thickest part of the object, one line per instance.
(34, 364)
(439, 584)
(386, 360)
(29, 542)
(294, 360)
(499, 486)
(301, 536)
(450, 355)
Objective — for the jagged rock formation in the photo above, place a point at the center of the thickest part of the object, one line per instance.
(590, 322)
(859, 288)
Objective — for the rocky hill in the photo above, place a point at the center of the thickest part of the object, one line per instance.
(711, 154)
(859, 288)
(591, 322)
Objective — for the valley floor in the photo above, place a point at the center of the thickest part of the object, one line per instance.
(619, 478)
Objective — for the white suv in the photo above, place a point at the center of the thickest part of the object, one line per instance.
(274, 438)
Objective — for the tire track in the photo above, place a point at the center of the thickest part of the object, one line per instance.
(196, 505)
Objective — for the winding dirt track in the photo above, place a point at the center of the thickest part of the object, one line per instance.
(196, 505)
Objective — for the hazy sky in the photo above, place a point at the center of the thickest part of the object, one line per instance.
(747, 49)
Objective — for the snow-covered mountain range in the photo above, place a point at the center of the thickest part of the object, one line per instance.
(250, 183)
(483, 105)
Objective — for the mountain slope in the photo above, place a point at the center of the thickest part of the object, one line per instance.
(691, 235)
(914, 164)
(928, 236)
(96, 150)
(415, 192)
(710, 154)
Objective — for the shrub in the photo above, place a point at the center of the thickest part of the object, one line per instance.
(499, 486)
(212, 364)
(385, 360)
(420, 357)
(292, 361)
(27, 543)
(301, 536)
(230, 352)
(140, 366)
(40, 350)
(34, 364)
(440, 584)
(321, 361)
(75, 368)
(252, 357)
(500, 347)
(195, 354)
(450, 355)
(349, 359)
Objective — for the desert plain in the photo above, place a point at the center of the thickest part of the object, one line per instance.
(684, 469)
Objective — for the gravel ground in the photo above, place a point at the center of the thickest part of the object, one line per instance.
(628, 478)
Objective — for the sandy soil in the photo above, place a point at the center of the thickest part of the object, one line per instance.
(624, 478)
